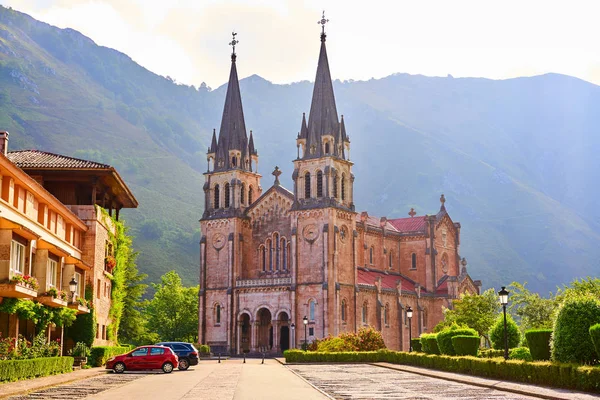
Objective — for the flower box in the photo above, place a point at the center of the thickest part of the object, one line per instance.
(81, 309)
(17, 290)
(50, 301)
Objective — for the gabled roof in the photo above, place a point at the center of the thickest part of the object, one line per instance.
(388, 280)
(414, 224)
(37, 159)
(274, 188)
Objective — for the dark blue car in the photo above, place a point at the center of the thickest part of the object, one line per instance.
(187, 353)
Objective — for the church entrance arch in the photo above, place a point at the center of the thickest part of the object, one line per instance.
(245, 333)
(284, 332)
(265, 330)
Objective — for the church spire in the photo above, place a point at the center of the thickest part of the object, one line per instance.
(323, 117)
(233, 141)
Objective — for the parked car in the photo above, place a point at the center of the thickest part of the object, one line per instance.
(186, 352)
(144, 358)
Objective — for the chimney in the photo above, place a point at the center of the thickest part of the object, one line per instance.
(4, 142)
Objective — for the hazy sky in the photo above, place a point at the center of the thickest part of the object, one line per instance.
(279, 39)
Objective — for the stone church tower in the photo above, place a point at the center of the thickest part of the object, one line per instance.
(269, 260)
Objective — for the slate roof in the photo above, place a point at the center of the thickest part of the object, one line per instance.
(414, 224)
(27, 159)
(388, 281)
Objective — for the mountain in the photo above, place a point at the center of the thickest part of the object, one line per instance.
(516, 159)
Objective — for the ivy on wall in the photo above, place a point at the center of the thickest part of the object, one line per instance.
(40, 314)
(84, 327)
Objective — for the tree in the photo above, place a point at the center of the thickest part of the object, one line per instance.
(533, 311)
(173, 312)
(571, 340)
(477, 311)
(512, 331)
(133, 325)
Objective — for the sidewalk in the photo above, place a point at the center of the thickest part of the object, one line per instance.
(14, 388)
(513, 387)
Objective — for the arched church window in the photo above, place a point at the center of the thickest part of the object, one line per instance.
(277, 250)
(263, 258)
(243, 194)
(307, 185)
(343, 310)
(386, 315)
(364, 313)
(218, 314)
(234, 161)
(227, 194)
(343, 187)
(327, 148)
(311, 310)
(371, 251)
(391, 262)
(284, 254)
(319, 184)
(270, 246)
(250, 195)
(335, 187)
(414, 261)
(217, 195)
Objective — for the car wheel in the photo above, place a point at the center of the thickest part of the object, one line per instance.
(184, 364)
(119, 368)
(167, 368)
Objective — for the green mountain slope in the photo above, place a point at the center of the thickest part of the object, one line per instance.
(515, 158)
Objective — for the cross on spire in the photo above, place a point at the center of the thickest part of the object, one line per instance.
(276, 172)
(322, 22)
(412, 212)
(233, 42)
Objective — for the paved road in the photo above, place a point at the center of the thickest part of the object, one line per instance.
(361, 381)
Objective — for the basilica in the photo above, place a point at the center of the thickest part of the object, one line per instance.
(281, 267)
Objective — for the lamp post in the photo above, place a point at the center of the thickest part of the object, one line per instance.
(503, 294)
(305, 322)
(73, 288)
(409, 316)
(293, 326)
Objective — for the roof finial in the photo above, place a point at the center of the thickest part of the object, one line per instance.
(442, 200)
(276, 172)
(232, 44)
(412, 212)
(322, 22)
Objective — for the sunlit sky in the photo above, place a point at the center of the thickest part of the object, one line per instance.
(279, 40)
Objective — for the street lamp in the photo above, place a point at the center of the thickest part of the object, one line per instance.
(409, 316)
(503, 294)
(293, 326)
(305, 322)
(73, 288)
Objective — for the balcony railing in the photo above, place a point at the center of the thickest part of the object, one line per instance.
(263, 282)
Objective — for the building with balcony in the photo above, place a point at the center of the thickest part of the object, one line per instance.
(54, 233)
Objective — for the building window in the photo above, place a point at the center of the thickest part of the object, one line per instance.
(371, 251)
(311, 331)
(250, 195)
(335, 187)
(234, 161)
(327, 148)
(424, 320)
(319, 184)
(270, 246)
(343, 310)
(79, 279)
(311, 310)
(391, 260)
(226, 189)
(217, 196)
(17, 257)
(386, 315)
(218, 314)
(104, 332)
(52, 270)
(263, 258)
(343, 187)
(98, 289)
(364, 313)
(97, 331)
(243, 194)
(307, 185)
(414, 261)
(277, 250)
(284, 254)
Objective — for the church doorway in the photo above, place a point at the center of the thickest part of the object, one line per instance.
(265, 331)
(284, 332)
(245, 333)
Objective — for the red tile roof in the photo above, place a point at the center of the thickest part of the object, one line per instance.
(443, 288)
(388, 281)
(40, 159)
(415, 224)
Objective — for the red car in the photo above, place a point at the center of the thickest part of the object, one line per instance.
(144, 358)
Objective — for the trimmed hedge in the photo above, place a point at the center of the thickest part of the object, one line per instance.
(539, 343)
(512, 332)
(546, 373)
(465, 345)
(429, 343)
(100, 354)
(595, 335)
(415, 344)
(571, 340)
(491, 353)
(520, 353)
(13, 370)
(444, 338)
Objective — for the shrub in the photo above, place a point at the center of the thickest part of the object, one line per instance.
(519, 353)
(80, 350)
(429, 343)
(497, 333)
(415, 343)
(539, 343)
(595, 336)
(444, 338)
(571, 340)
(12, 370)
(336, 344)
(369, 339)
(465, 345)
(204, 349)
(100, 354)
(491, 353)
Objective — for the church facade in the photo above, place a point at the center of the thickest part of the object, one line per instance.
(271, 258)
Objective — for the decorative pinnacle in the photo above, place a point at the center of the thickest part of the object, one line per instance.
(233, 42)
(322, 22)
(412, 212)
(442, 200)
(276, 172)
